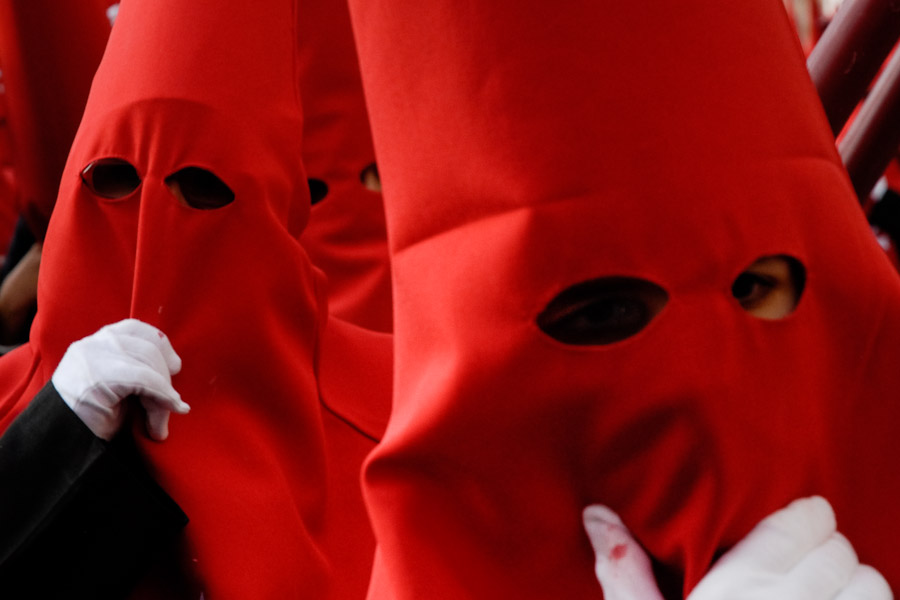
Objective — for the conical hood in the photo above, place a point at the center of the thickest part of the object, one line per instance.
(529, 150)
(49, 51)
(346, 238)
(180, 205)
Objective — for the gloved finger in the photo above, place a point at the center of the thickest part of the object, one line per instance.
(866, 584)
(132, 328)
(158, 411)
(622, 567)
(126, 379)
(110, 344)
(107, 346)
(824, 571)
(780, 540)
(157, 421)
(169, 401)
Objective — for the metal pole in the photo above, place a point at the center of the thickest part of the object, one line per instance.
(874, 136)
(851, 51)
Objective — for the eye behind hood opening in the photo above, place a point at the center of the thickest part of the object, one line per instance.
(110, 178)
(771, 287)
(602, 311)
(199, 188)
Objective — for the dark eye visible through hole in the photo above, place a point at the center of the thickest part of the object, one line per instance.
(370, 178)
(771, 287)
(318, 189)
(199, 188)
(602, 311)
(110, 178)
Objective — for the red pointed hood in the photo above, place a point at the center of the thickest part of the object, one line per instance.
(346, 237)
(209, 85)
(525, 149)
(50, 51)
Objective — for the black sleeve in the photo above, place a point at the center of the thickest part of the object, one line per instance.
(79, 517)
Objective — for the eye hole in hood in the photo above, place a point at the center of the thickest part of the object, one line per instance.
(199, 188)
(318, 189)
(771, 287)
(602, 311)
(370, 178)
(110, 178)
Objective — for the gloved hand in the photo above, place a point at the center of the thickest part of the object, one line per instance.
(793, 554)
(127, 358)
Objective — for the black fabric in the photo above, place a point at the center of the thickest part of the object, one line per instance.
(885, 215)
(79, 517)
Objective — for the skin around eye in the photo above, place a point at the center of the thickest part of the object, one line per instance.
(602, 311)
(771, 287)
(370, 178)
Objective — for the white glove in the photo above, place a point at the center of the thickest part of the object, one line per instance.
(111, 13)
(793, 554)
(123, 359)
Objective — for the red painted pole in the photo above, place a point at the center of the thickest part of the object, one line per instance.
(851, 51)
(874, 136)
